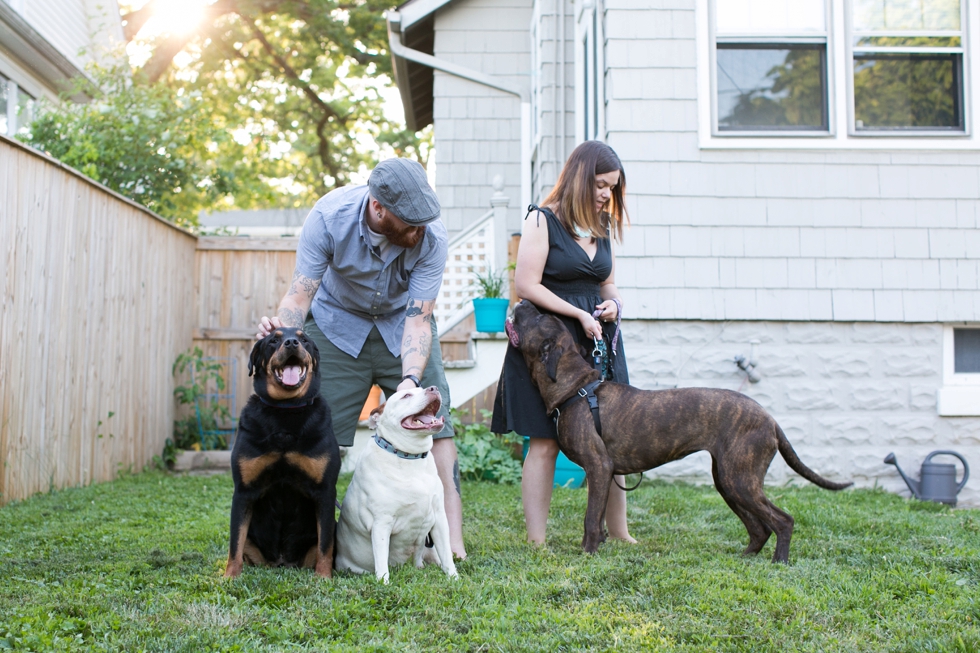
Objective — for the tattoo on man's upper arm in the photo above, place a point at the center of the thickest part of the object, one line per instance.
(306, 285)
(416, 308)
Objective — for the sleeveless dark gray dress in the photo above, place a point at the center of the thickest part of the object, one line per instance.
(569, 274)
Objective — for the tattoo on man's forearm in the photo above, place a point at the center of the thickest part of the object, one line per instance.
(456, 476)
(292, 317)
(303, 284)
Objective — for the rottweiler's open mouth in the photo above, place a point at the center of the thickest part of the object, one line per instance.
(426, 419)
(293, 373)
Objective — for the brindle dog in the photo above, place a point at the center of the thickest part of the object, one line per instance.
(285, 462)
(643, 429)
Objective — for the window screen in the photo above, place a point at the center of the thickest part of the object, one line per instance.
(966, 351)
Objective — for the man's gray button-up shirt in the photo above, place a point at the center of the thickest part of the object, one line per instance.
(360, 289)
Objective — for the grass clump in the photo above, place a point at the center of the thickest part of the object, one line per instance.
(136, 565)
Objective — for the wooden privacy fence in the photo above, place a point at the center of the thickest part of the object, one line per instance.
(237, 280)
(96, 304)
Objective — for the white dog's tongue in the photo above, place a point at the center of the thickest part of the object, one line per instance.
(290, 375)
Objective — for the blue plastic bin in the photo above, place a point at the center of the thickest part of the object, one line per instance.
(567, 473)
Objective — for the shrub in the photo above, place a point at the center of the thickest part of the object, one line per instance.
(486, 456)
(204, 372)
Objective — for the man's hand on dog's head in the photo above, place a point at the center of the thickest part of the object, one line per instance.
(406, 384)
(267, 325)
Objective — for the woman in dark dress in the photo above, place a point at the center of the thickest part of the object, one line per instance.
(565, 266)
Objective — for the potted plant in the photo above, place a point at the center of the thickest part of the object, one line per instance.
(490, 304)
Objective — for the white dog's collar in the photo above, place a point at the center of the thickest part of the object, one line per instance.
(390, 448)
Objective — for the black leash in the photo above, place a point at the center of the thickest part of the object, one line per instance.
(630, 489)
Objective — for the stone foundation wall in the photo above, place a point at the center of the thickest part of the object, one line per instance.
(845, 394)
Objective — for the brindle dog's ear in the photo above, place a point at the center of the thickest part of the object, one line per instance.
(550, 355)
(256, 358)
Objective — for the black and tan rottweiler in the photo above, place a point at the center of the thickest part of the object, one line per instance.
(285, 462)
(643, 429)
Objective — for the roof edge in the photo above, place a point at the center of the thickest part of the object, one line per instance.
(34, 51)
(414, 11)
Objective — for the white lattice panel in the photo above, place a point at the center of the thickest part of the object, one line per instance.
(472, 253)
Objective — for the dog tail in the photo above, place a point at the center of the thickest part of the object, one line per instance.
(789, 455)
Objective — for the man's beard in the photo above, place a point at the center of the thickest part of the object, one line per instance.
(403, 236)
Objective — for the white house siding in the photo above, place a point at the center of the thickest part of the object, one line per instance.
(478, 129)
(82, 30)
(845, 394)
(553, 87)
(843, 264)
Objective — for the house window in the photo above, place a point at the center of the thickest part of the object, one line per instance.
(16, 107)
(960, 394)
(590, 96)
(966, 351)
(25, 110)
(770, 66)
(907, 65)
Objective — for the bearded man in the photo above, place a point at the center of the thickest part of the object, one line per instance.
(369, 268)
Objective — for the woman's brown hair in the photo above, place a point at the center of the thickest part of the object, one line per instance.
(574, 192)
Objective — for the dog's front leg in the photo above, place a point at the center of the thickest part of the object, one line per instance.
(241, 514)
(440, 537)
(599, 476)
(326, 525)
(380, 543)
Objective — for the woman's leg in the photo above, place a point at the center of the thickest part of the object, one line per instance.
(616, 511)
(536, 485)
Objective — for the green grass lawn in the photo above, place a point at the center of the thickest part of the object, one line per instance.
(136, 565)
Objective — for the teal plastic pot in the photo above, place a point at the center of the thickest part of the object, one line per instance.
(490, 314)
(567, 473)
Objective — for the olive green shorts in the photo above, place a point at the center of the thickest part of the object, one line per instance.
(345, 380)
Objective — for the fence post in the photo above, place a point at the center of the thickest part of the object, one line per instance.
(499, 202)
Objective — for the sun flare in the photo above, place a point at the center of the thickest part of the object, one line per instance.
(174, 17)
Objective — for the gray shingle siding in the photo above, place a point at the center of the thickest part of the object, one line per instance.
(478, 129)
(780, 235)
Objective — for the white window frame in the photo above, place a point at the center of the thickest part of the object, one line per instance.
(590, 39)
(959, 395)
(788, 38)
(917, 133)
(840, 96)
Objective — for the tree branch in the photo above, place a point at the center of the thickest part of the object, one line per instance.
(165, 52)
(290, 73)
(133, 21)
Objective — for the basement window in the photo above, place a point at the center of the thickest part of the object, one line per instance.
(960, 394)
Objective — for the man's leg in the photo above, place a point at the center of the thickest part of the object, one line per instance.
(345, 382)
(443, 447)
(447, 464)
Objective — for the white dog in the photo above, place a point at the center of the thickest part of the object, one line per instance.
(396, 498)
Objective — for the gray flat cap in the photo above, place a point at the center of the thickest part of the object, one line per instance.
(402, 187)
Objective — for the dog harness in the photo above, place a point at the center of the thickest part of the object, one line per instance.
(390, 448)
(589, 393)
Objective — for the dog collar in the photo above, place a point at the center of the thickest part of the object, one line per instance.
(588, 392)
(390, 448)
(280, 404)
